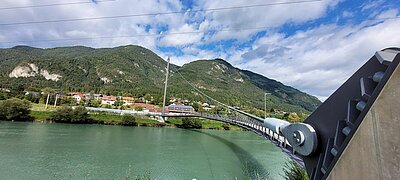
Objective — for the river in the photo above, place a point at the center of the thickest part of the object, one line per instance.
(65, 151)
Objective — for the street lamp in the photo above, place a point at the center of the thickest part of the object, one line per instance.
(265, 104)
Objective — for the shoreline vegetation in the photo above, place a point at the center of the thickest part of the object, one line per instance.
(102, 118)
(21, 110)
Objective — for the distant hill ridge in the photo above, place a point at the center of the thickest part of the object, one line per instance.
(138, 71)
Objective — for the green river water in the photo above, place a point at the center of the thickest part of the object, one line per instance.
(63, 151)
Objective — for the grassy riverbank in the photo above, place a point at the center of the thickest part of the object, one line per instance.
(40, 114)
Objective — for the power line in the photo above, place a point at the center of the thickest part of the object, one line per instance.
(131, 36)
(218, 102)
(159, 13)
(55, 4)
(158, 35)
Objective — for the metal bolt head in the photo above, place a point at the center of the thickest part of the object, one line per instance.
(298, 138)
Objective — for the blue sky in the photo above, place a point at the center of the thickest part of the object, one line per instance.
(312, 46)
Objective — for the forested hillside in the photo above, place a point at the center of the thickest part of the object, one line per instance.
(137, 71)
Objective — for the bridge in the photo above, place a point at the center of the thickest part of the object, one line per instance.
(353, 134)
(344, 138)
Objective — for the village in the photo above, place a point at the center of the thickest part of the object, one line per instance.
(174, 105)
(145, 104)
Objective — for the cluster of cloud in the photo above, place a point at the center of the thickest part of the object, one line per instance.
(313, 46)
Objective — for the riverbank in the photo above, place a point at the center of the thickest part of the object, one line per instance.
(115, 119)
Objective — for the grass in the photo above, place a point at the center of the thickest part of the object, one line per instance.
(42, 107)
(106, 117)
(206, 124)
(40, 113)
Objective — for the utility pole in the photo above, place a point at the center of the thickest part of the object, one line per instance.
(165, 88)
(55, 102)
(47, 101)
(265, 105)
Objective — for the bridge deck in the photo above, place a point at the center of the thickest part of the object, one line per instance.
(268, 134)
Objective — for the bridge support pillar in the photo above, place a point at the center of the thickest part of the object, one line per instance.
(374, 150)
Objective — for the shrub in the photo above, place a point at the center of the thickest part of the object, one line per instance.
(138, 108)
(62, 115)
(65, 114)
(128, 120)
(189, 123)
(15, 109)
(106, 106)
(293, 171)
(2, 96)
(81, 115)
(226, 126)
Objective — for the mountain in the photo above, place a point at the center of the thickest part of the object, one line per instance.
(219, 79)
(109, 70)
(137, 71)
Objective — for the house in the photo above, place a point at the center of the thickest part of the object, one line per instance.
(128, 100)
(174, 108)
(146, 107)
(32, 93)
(206, 106)
(110, 100)
(97, 96)
(77, 96)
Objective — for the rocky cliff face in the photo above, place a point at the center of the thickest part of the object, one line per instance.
(31, 70)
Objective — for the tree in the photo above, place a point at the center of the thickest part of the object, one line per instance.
(138, 108)
(62, 115)
(15, 109)
(81, 115)
(2, 96)
(118, 102)
(67, 101)
(95, 103)
(65, 114)
(190, 123)
(196, 106)
(293, 117)
(128, 120)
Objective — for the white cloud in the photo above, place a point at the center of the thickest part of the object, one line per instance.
(316, 60)
(319, 60)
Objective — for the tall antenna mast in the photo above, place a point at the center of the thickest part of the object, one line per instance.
(165, 87)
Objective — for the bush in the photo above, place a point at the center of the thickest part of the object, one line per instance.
(15, 109)
(81, 115)
(189, 123)
(138, 108)
(2, 96)
(128, 120)
(292, 171)
(66, 114)
(226, 126)
(106, 106)
(62, 115)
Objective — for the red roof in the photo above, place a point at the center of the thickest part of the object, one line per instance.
(77, 94)
(109, 98)
(149, 107)
(128, 98)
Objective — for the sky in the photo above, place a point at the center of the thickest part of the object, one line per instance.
(312, 45)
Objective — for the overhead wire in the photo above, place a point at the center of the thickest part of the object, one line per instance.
(220, 103)
(158, 13)
(135, 35)
(159, 34)
(55, 4)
